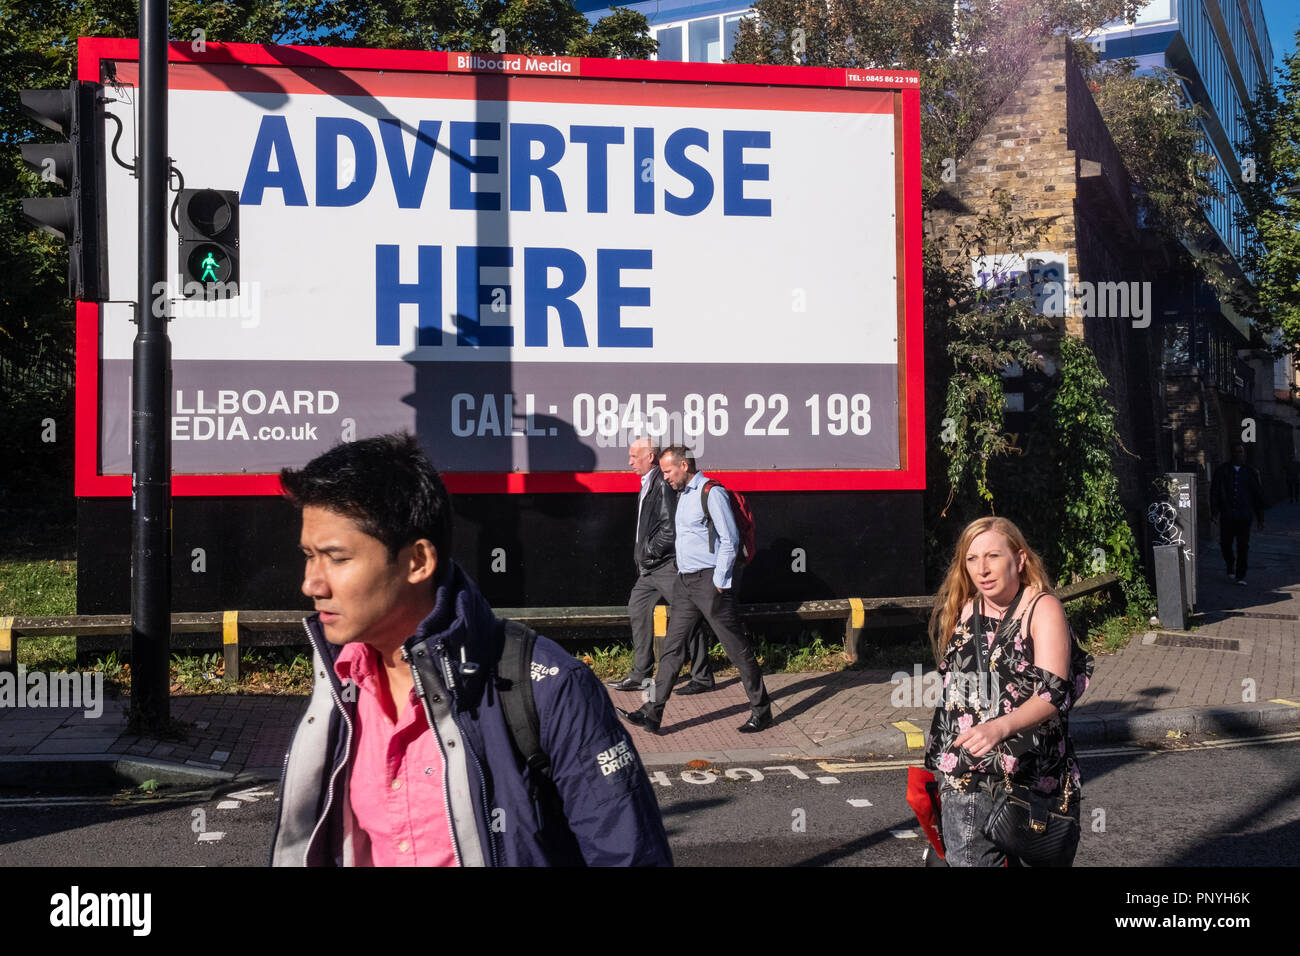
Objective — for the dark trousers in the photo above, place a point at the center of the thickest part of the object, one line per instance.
(694, 597)
(1235, 529)
(649, 588)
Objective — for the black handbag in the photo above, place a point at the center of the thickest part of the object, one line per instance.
(1030, 826)
(1024, 823)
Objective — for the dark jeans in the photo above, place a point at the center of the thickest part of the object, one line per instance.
(1235, 529)
(695, 596)
(649, 588)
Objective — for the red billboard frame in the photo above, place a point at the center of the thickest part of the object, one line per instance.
(911, 476)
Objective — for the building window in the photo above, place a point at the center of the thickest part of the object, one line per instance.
(705, 38)
(670, 43)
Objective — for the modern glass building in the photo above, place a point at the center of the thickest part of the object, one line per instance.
(1221, 51)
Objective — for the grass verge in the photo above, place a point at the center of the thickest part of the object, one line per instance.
(40, 588)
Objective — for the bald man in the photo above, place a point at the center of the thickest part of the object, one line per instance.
(654, 554)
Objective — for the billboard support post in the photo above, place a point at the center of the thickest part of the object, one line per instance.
(150, 394)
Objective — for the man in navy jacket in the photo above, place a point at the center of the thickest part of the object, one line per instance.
(411, 760)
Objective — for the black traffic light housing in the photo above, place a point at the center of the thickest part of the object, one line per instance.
(78, 114)
(208, 251)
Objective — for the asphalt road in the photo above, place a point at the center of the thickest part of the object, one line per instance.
(1203, 802)
(1194, 802)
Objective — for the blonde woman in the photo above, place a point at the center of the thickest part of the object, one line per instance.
(1003, 716)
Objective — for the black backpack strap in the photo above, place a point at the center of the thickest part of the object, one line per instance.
(515, 667)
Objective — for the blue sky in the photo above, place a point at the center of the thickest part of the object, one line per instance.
(1283, 18)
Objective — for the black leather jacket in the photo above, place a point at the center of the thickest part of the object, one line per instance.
(656, 528)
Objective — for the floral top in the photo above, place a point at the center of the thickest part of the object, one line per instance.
(1039, 757)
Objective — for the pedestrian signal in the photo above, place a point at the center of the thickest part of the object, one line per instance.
(208, 253)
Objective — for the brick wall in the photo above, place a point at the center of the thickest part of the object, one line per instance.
(1025, 153)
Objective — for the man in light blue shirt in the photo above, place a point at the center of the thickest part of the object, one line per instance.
(706, 555)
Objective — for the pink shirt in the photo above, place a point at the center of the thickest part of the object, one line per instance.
(396, 787)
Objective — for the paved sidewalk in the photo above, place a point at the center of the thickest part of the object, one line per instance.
(1246, 676)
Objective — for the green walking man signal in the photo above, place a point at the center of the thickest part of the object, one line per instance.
(209, 266)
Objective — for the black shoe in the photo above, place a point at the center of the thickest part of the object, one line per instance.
(639, 718)
(629, 683)
(755, 724)
(693, 688)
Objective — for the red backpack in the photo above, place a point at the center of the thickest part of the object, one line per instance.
(740, 512)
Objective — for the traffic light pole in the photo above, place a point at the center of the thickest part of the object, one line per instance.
(151, 395)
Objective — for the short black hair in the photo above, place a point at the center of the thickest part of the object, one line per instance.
(681, 453)
(385, 484)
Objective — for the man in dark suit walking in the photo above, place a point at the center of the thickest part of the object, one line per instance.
(654, 554)
(1235, 496)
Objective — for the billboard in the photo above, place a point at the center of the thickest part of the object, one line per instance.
(528, 262)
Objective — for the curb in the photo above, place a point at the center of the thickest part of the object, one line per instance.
(100, 772)
(1151, 725)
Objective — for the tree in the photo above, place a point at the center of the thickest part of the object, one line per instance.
(547, 27)
(624, 33)
(1270, 197)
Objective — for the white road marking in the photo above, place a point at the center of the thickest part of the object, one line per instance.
(827, 780)
(229, 805)
(252, 793)
(792, 770)
(903, 834)
(859, 803)
(860, 767)
(211, 836)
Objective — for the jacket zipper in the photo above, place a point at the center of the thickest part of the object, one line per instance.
(347, 751)
(478, 767)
